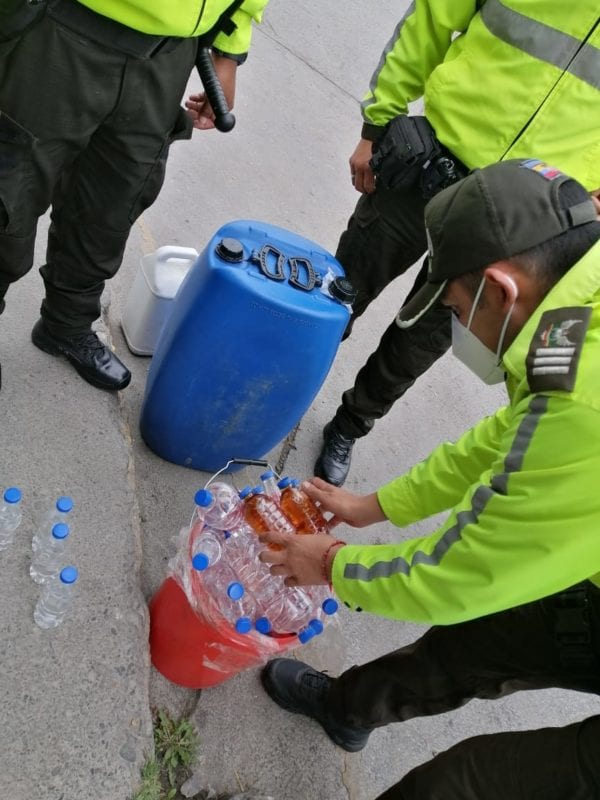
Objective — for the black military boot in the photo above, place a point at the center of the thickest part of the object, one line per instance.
(299, 688)
(92, 359)
(333, 463)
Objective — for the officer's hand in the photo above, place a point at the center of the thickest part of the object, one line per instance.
(198, 107)
(350, 508)
(300, 558)
(361, 173)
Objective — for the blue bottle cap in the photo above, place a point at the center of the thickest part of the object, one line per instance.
(64, 504)
(284, 482)
(316, 625)
(203, 498)
(263, 625)
(200, 561)
(305, 635)
(69, 574)
(330, 606)
(60, 530)
(243, 625)
(295, 482)
(235, 591)
(258, 490)
(12, 495)
(244, 492)
(266, 475)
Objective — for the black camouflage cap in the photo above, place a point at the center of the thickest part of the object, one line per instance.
(492, 214)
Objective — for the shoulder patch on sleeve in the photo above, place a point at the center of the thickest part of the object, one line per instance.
(555, 349)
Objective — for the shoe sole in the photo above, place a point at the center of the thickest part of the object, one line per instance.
(269, 689)
(56, 350)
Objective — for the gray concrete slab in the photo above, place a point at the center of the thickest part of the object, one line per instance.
(75, 713)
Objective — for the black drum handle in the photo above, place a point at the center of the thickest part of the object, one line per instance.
(224, 119)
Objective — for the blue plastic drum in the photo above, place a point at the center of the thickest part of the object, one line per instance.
(253, 333)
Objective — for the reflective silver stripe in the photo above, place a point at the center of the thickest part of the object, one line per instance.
(481, 497)
(587, 65)
(387, 49)
(543, 42)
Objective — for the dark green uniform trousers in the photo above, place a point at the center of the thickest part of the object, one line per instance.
(385, 236)
(86, 129)
(550, 643)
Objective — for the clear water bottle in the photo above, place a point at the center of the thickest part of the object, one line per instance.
(10, 516)
(231, 599)
(59, 512)
(48, 557)
(55, 598)
(206, 550)
(269, 482)
(226, 512)
(290, 612)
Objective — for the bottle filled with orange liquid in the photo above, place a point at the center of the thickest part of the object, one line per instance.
(263, 514)
(305, 516)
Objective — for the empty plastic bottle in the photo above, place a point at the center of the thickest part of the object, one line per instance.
(226, 510)
(300, 509)
(269, 482)
(291, 612)
(206, 550)
(230, 597)
(59, 512)
(10, 516)
(263, 514)
(48, 557)
(55, 598)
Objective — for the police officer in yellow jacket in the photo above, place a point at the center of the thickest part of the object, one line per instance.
(90, 95)
(500, 79)
(511, 580)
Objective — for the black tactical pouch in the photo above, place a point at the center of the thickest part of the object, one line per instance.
(409, 154)
(17, 16)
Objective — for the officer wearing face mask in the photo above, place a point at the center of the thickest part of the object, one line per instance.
(511, 581)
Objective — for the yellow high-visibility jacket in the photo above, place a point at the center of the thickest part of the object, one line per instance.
(184, 18)
(520, 80)
(523, 484)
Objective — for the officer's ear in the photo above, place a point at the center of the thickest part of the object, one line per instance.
(502, 285)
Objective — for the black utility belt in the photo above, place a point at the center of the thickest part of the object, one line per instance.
(107, 32)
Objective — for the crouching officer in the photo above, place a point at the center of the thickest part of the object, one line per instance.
(511, 581)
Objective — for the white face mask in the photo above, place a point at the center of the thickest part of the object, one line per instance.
(472, 351)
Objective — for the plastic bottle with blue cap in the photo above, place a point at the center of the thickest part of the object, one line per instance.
(230, 597)
(56, 598)
(304, 514)
(10, 516)
(59, 512)
(269, 482)
(48, 557)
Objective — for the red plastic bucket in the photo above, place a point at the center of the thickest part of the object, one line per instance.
(193, 653)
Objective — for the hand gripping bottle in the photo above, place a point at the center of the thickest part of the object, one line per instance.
(10, 516)
(300, 509)
(263, 514)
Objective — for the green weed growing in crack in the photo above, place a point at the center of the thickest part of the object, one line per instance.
(176, 746)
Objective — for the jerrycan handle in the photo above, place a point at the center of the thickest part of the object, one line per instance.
(262, 257)
(312, 276)
(170, 251)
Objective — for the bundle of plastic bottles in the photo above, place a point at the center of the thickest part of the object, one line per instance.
(218, 565)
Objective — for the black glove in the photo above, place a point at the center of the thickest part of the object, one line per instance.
(407, 144)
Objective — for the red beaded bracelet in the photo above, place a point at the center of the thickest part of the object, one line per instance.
(336, 543)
